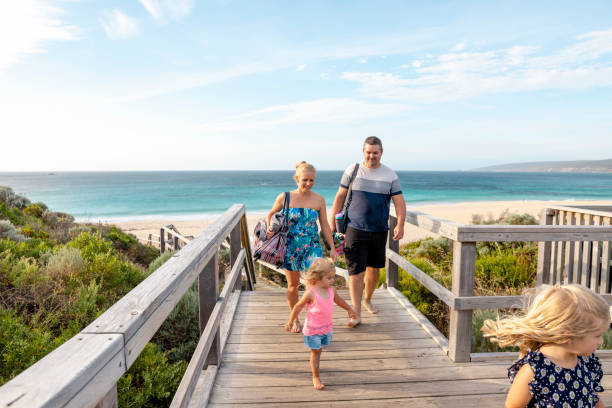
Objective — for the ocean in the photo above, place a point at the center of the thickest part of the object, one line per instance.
(117, 196)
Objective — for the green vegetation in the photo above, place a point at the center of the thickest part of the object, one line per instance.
(57, 276)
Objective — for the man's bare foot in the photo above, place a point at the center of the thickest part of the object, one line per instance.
(318, 385)
(296, 326)
(370, 307)
(353, 322)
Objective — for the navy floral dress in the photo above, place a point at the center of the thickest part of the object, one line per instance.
(303, 244)
(554, 386)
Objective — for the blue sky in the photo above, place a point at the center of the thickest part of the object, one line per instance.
(222, 84)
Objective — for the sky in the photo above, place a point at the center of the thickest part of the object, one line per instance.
(222, 84)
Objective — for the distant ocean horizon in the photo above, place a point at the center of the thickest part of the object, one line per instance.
(122, 196)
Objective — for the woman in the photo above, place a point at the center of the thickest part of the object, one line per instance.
(303, 246)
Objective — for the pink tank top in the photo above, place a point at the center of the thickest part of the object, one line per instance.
(319, 314)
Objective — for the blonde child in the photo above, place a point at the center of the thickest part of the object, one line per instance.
(319, 299)
(557, 336)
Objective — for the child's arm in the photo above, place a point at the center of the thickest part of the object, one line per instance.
(306, 298)
(600, 404)
(519, 395)
(342, 303)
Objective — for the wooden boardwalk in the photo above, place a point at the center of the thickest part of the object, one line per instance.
(388, 359)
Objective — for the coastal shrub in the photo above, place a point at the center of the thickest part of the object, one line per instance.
(6, 194)
(67, 261)
(160, 260)
(33, 210)
(50, 218)
(19, 201)
(8, 231)
(128, 244)
(438, 251)
(33, 232)
(151, 381)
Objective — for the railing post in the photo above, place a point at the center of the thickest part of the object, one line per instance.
(162, 241)
(391, 268)
(235, 247)
(208, 288)
(544, 247)
(460, 332)
(110, 400)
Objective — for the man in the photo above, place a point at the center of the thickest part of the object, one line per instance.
(374, 186)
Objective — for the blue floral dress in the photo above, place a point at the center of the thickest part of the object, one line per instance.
(303, 244)
(554, 386)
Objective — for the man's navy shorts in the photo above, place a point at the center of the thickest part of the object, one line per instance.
(364, 248)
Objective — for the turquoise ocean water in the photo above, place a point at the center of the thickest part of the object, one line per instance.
(115, 196)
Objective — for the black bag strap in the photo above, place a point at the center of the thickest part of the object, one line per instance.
(347, 199)
(286, 208)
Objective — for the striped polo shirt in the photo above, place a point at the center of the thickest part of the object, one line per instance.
(372, 192)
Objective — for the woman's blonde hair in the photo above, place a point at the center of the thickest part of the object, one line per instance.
(555, 315)
(304, 166)
(318, 269)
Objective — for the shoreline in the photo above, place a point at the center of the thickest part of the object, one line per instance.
(460, 212)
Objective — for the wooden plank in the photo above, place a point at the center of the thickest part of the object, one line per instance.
(544, 248)
(204, 387)
(488, 302)
(141, 312)
(605, 263)
(460, 331)
(358, 392)
(585, 279)
(466, 401)
(304, 355)
(430, 223)
(554, 254)
(578, 252)
(371, 377)
(392, 246)
(424, 323)
(434, 287)
(340, 337)
(559, 272)
(110, 400)
(527, 233)
(246, 244)
(296, 346)
(77, 373)
(365, 328)
(569, 252)
(601, 210)
(186, 387)
(595, 260)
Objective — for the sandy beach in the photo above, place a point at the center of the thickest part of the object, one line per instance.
(458, 212)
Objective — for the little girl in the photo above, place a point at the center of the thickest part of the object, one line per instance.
(319, 299)
(557, 337)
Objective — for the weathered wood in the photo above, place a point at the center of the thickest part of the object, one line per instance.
(585, 278)
(78, 373)
(605, 263)
(558, 273)
(544, 248)
(110, 400)
(487, 302)
(235, 246)
(190, 378)
(460, 331)
(425, 324)
(162, 241)
(569, 252)
(203, 389)
(208, 291)
(595, 260)
(434, 287)
(527, 233)
(391, 269)
(430, 223)
(577, 268)
(246, 244)
(601, 210)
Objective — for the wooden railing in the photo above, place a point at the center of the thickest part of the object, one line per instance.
(460, 298)
(83, 372)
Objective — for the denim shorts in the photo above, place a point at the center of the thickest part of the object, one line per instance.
(317, 341)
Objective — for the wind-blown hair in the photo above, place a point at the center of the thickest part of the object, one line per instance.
(304, 166)
(318, 269)
(555, 315)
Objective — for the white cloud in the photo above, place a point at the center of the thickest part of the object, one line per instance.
(118, 25)
(26, 25)
(324, 75)
(362, 60)
(329, 110)
(460, 75)
(416, 64)
(460, 47)
(300, 67)
(161, 10)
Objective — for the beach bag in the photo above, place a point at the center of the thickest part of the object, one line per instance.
(342, 216)
(273, 250)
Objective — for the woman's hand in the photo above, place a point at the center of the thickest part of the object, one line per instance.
(269, 232)
(333, 254)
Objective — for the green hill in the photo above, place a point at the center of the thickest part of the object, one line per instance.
(576, 166)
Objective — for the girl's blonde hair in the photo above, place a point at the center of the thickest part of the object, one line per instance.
(318, 269)
(555, 315)
(304, 166)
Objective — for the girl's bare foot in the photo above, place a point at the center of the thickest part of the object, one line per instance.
(296, 326)
(318, 385)
(353, 322)
(370, 307)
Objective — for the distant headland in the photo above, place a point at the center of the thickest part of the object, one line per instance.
(575, 166)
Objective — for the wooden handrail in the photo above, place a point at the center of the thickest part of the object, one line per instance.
(85, 369)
